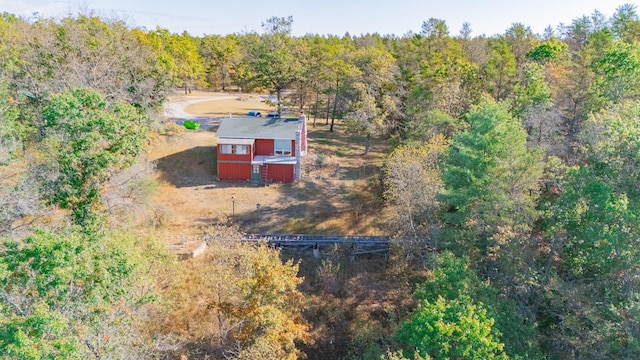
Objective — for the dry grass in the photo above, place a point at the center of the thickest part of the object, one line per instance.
(330, 199)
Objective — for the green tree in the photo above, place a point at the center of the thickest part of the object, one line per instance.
(178, 57)
(590, 308)
(434, 76)
(591, 298)
(87, 139)
(313, 80)
(452, 279)
(533, 92)
(499, 72)
(611, 140)
(424, 126)
(618, 73)
(307, 86)
(445, 73)
(625, 23)
(571, 85)
(373, 105)
(452, 320)
(550, 50)
(10, 134)
(579, 31)
(452, 329)
(490, 177)
(220, 54)
(274, 58)
(74, 295)
(340, 72)
(520, 39)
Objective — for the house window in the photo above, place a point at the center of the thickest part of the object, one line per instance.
(256, 169)
(282, 147)
(242, 149)
(234, 149)
(225, 149)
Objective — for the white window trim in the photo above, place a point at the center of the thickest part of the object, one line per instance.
(228, 149)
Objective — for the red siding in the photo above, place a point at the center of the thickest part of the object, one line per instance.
(234, 157)
(293, 148)
(264, 147)
(231, 171)
(280, 173)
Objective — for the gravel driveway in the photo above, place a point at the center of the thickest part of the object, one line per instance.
(174, 110)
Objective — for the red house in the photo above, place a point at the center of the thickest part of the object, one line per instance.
(261, 149)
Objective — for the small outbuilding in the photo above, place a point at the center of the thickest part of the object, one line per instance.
(261, 149)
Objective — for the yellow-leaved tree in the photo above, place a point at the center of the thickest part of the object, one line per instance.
(413, 180)
(239, 300)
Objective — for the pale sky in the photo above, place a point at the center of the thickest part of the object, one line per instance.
(199, 17)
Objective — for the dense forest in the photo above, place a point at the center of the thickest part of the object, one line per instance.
(512, 174)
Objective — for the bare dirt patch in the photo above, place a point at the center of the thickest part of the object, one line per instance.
(334, 197)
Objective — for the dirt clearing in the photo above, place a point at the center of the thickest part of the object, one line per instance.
(237, 106)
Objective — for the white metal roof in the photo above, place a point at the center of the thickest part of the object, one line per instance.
(259, 128)
(262, 160)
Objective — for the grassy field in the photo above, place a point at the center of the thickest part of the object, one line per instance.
(335, 196)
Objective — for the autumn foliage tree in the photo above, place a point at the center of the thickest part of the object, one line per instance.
(242, 299)
(412, 184)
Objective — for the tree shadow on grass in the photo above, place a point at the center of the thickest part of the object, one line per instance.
(298, 208)
(192, 167)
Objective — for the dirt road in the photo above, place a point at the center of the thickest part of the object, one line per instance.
(175, 110)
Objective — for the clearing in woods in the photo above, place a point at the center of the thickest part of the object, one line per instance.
(332, 198)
